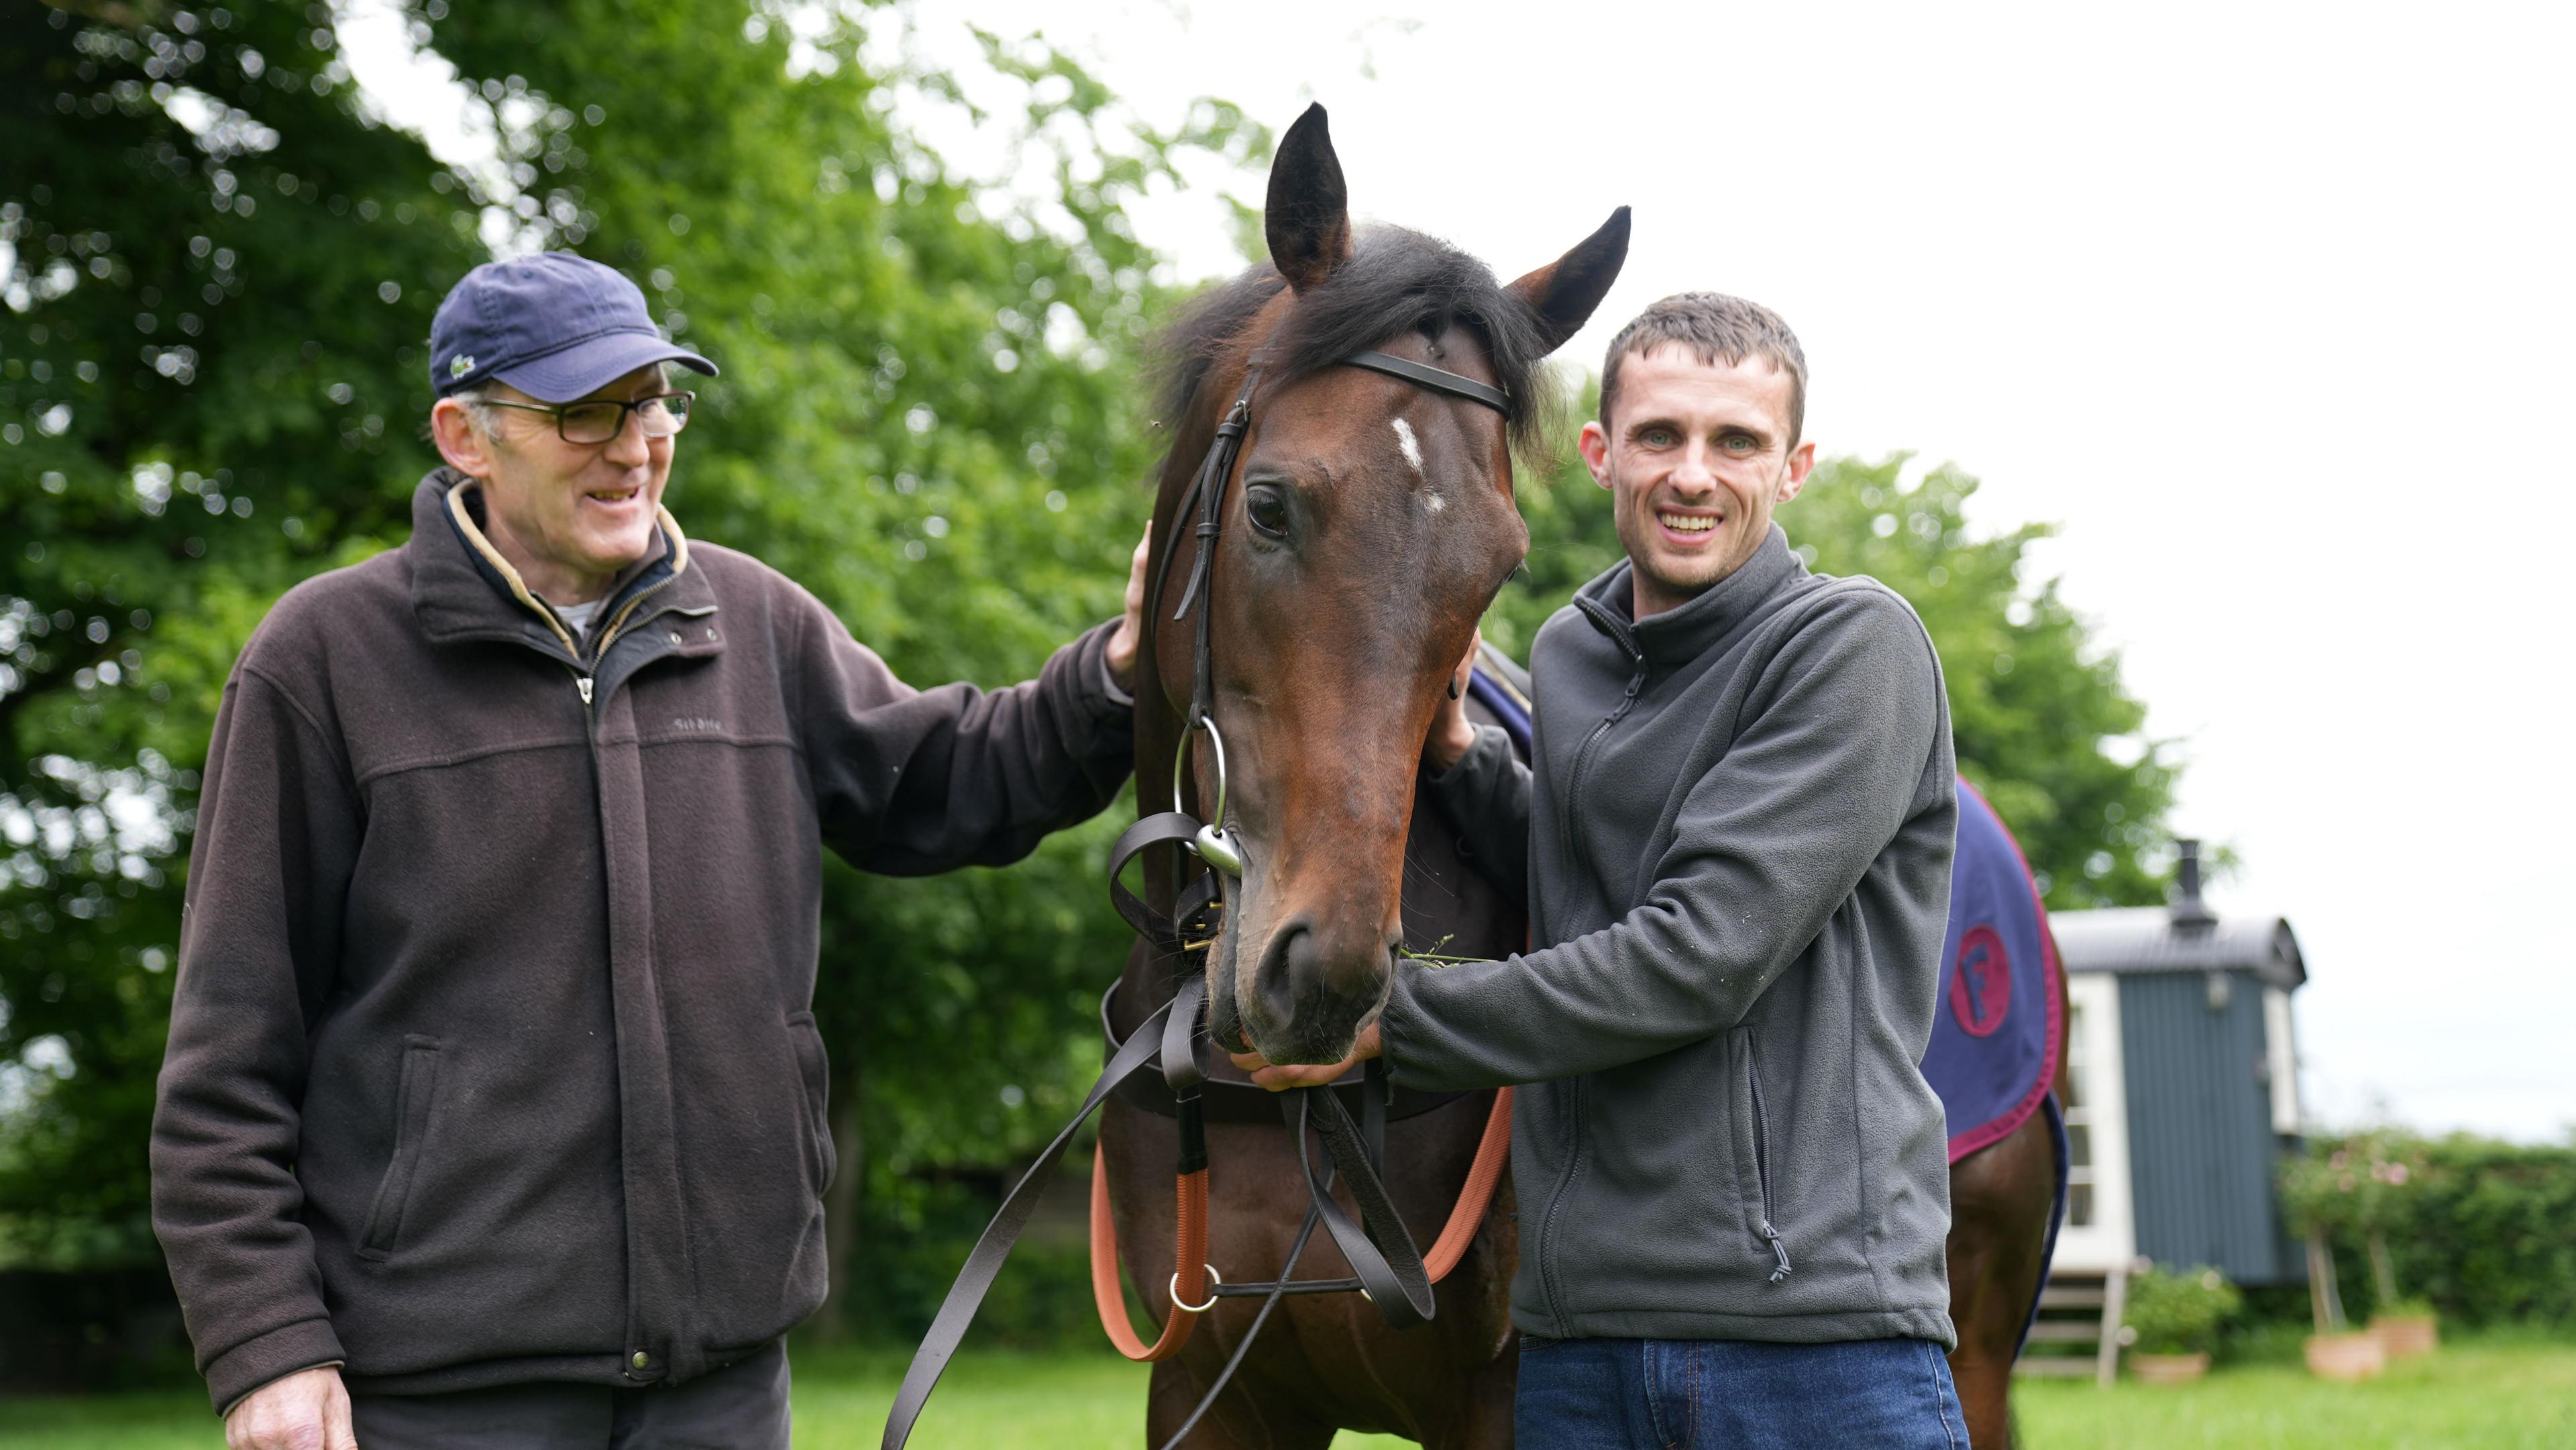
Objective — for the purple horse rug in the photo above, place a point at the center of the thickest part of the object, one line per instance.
(2000, 1023)
(1999, 1029)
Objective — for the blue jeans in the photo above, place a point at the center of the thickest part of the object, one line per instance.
(1703, 1394)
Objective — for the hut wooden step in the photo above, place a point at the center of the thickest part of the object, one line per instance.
(2077, 1310)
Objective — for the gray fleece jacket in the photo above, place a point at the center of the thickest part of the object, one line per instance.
(1737, 857)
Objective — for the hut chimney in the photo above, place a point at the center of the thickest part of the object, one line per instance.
(2190, 913)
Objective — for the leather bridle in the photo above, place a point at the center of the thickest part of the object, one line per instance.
(1207, 493)
(1387, 1269)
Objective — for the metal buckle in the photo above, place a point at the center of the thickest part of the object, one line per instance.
(1214, 1279)
(1214, 843)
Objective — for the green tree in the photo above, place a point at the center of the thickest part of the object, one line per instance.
(216, 274)
(926, 416)
(2042, 723)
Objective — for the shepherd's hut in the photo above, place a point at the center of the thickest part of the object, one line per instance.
(2185, 1074)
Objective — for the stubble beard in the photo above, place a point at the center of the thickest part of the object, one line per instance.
(1639, 534)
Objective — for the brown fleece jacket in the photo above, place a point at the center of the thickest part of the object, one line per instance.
(492, 1057)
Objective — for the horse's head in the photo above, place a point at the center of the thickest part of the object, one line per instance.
(1366, 524)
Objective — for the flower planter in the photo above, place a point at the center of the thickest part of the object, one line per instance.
(2168, 1369)
(2405, 1336)
(2345, 1356)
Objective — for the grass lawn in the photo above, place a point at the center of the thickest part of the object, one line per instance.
(2497, 1393)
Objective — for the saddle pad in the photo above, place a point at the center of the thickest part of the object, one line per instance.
(2000, 1023)
(1498, 685)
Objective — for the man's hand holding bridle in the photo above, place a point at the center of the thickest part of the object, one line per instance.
(1283, 1076)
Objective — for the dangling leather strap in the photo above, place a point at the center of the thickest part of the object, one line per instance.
(1382, 1255)
(948, 1329)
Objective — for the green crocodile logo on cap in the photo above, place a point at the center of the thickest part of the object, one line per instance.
(460, 367)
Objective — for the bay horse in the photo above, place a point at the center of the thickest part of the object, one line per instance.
(1365, 527)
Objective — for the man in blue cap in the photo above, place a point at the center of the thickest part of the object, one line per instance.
(493, 1113)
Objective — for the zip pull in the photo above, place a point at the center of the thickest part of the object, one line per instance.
(583, 683)
(1778, 1248)
(1637, 681)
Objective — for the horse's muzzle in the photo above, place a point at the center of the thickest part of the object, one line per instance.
(1313, 986)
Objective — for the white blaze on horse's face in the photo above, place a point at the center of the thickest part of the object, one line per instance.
(1411, 448)
(1409, 445)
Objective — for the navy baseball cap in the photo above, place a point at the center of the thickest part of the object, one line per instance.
(555, 326)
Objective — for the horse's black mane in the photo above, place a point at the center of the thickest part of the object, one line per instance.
(1396, 281)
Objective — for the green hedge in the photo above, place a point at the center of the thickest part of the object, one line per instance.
(2485, 1230)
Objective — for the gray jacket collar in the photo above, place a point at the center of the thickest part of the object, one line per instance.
(1680, 635)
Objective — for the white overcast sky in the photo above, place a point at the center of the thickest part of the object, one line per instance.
(2269, 307)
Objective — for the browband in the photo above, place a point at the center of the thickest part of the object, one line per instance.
(1439, 380)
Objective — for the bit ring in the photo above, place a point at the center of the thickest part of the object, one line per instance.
(1181, 763)
(1214, 1279)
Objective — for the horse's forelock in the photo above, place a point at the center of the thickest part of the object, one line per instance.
(1396, 281)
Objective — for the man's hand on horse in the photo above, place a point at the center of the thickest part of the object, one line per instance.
(1280, 1077)
(1122, 640)
(1452, 735)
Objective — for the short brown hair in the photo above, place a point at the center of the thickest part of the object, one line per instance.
(1717, 328)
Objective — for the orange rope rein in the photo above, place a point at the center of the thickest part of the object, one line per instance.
(1482, 1175)
(1190, 1213)
(1189, 1271)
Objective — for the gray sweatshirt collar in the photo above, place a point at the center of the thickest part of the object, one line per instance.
(1677, 636)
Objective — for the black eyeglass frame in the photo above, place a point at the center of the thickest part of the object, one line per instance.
(626, 410)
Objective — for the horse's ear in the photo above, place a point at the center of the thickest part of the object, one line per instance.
(1307, 218)
(1565, 291)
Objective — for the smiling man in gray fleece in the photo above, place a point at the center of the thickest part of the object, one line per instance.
(1732, 1178)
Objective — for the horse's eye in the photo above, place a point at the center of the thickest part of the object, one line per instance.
(1268, 510)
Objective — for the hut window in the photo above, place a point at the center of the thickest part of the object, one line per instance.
(2079, 1123)
(2281, 1056)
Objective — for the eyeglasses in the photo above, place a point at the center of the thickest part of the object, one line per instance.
(600, 420)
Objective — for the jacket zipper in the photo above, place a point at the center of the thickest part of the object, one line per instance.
(1762, 1162)
(584, 679)
(1546, 1246)
(615, 626)
(1583, 753)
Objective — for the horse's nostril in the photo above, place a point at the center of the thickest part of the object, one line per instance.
(1313, 985)
(1288, 970)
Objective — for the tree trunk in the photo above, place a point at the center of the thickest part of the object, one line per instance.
(2323, 1296)
(2383, 1274)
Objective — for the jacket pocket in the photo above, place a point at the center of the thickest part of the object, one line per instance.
(414, 1093)
(813, 1079)
(1753, 1146)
